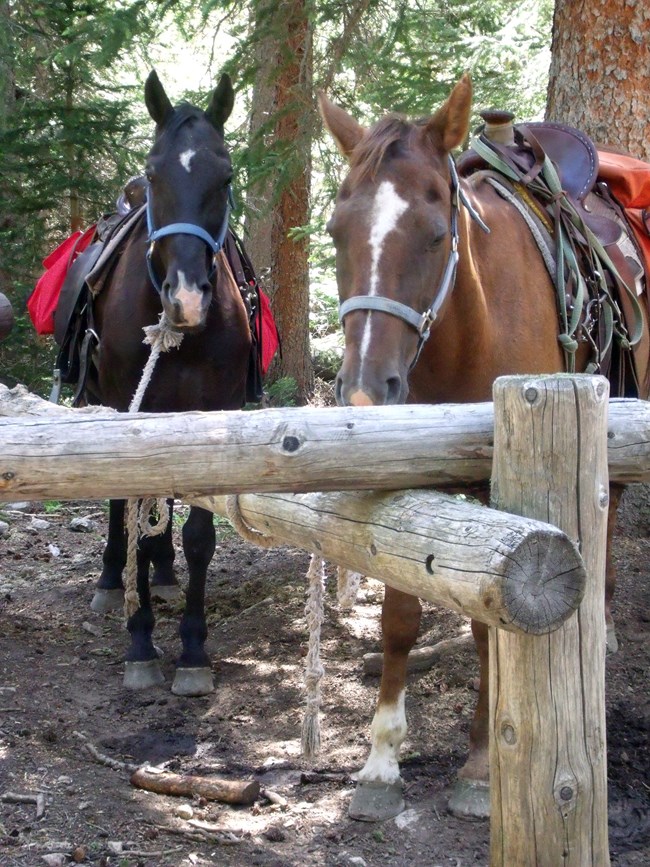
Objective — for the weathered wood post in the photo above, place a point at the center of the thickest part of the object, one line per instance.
(548, 760)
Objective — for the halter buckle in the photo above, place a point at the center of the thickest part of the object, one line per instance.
(424, 326)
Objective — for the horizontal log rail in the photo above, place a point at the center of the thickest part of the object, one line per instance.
(511, 572)
(57, 453)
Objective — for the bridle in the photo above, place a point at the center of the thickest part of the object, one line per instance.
(215, 244)
(422, 322)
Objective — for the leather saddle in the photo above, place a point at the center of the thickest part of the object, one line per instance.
(74, 328)
(573, 154)
(522, 149)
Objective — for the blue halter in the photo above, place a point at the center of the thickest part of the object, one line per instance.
(215, 244)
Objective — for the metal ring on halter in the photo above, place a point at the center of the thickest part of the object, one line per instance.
(215, 244)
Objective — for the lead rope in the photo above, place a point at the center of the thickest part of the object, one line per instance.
(161, 338)
(347, 587)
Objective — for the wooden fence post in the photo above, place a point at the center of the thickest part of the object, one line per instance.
(548, 760)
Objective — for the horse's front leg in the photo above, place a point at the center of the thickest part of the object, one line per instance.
(164, 584)
(378, 795)
(142, 668)
(109, 593)
(193, 671)
(470, 796)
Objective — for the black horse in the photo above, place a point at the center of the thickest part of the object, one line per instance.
(172, 262)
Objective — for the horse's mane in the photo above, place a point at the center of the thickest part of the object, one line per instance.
(369, 153)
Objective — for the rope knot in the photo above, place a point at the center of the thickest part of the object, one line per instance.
(568, 343)
(164, 334)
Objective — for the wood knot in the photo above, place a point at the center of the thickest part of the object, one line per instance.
(291, 444)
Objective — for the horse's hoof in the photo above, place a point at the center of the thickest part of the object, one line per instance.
(193, 681)
(376, 802)
(105, 601)
(167, 592)
(611, 641)
(142, 675)
(470, 799)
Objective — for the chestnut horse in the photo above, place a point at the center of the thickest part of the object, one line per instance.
(172, 263)
(406, 242)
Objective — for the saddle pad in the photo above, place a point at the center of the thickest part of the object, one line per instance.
(102, 268)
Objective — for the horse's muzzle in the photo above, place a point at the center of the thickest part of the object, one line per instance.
(187, 307)
(370, 391)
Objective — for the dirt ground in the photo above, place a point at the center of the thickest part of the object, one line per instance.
(61, 679)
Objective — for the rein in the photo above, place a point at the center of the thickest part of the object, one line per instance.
(422, 322)
(215, 244)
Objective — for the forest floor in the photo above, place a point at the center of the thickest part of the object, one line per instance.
(61, 677)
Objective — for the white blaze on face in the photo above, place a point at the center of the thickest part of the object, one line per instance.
(387, 208)
(186, 159)
(388, 730)
(190, 298)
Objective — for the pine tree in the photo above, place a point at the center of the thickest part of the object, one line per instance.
(65, 144)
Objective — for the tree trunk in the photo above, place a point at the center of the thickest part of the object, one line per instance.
(7, 83)
(600, 61)
(7, 103)
(76, 221)
(283, 92)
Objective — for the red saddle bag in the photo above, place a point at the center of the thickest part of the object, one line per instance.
(41, 304)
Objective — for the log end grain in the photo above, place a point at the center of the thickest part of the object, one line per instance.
(543, 583)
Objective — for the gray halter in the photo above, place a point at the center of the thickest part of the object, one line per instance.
(422, 322)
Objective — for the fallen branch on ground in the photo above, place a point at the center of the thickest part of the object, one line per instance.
(223, 838)
(213, 789)
(274, 798)
(421, 658)
(103, 759)
(38, 799)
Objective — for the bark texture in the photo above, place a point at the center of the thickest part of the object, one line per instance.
(600, 68)
(283, 94)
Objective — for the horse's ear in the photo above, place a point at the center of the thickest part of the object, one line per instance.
(221, 103)
(450, 123)
(156, 99)
(345, 130)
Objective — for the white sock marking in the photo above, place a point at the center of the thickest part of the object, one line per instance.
(387, 208)
(388, 730)
(186, 159)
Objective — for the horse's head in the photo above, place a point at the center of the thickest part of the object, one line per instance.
(189, 173)
(393, 229)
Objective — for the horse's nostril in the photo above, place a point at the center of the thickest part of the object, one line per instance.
(393, 389)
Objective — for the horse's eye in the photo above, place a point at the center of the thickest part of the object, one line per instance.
(149, 173)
